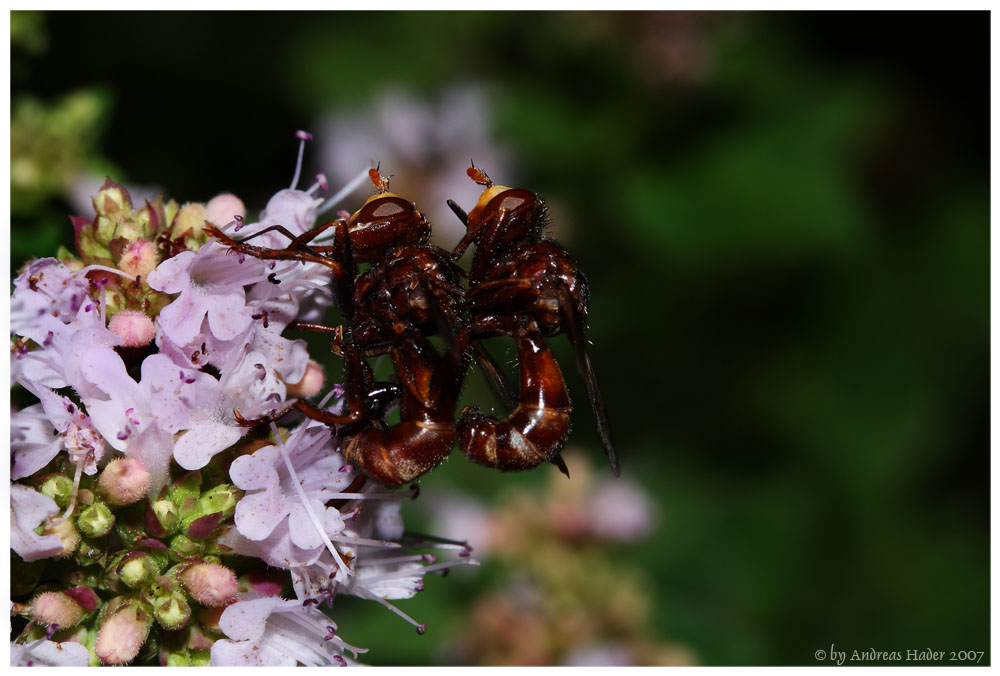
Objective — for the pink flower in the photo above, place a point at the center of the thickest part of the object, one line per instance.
(275, 632)
(210, 284)
(295, 210)
(142, 419)
(249, 383)
(621, 511)
(45, 653)
(80, 355)
(46, 287)
(28, 510)
(271, 497)
(40, 431)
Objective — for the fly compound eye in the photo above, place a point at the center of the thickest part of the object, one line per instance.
(511, 199)
(387, 208)
(381, 209)
(511, 202)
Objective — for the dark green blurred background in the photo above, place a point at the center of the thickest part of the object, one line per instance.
(784, 219)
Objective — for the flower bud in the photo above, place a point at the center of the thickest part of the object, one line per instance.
(122, 634)
(56, 608)
(59, 487)
(190, 221)
(124, 481)
(134, 328)
(188, 485)
(136, 569)
(209, 583)
(139, 258)
(223, 209)
(222, 498)
(67, 532)
(112, 200)
(95, 520)
(166, 514)
(311, 383)
(185, 547)
(172, 612)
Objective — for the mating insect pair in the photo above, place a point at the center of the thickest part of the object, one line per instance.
(520, 285)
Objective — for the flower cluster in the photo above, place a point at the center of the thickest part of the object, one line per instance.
(570, 596)
(149, 525)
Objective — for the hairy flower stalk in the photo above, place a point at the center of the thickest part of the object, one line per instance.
(150, 526)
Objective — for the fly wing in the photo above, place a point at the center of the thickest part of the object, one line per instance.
(575, 332)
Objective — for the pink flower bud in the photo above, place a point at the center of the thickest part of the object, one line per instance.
(122, 635)
(134, 328)
(139, 258)
(124, 481)
(210, 584)
(56, 608)
(311, 383)
(222, 209)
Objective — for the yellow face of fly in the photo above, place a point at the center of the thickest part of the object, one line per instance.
(489, 194)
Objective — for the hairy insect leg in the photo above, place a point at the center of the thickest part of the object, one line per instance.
(304, 407)
(296, 242)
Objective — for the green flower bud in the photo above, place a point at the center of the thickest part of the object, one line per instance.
(190, 221)
(112, 200)
(95, 520)
(172, 612)
(187, 486)
(167, 514)
(136, 569)
(185, 547)
(59, 487)
(160, 588)
(222, 498)
(189, 510)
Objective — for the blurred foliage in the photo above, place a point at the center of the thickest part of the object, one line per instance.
(787, 242)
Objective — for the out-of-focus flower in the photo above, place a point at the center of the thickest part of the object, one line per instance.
(51, 145)
(425, 146)
(569, 599)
